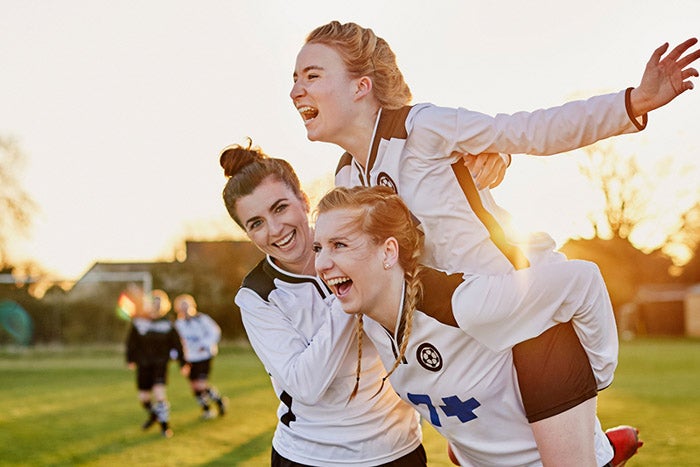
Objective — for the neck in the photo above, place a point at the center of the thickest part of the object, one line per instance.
(305, 266)
(358, 139)
(387, 311)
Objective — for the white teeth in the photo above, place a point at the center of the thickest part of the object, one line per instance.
(285, 241)
(307, 112)
(337, 280)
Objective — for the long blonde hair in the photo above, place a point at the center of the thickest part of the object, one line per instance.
(382, 214)
(366, 54)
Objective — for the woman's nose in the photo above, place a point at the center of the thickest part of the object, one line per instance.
(297, 90)
(321, 262)
(275, 227)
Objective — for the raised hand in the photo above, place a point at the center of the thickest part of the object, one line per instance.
(664, 78)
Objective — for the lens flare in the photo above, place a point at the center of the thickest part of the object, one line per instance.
(15, 320)
(126, 308)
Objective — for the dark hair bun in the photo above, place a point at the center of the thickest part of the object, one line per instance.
(234, 157)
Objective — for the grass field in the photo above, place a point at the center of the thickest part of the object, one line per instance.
(78, 407)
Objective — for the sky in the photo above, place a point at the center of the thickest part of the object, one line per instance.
(121, 108)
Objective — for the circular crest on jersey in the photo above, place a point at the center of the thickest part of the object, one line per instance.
(383, 179)
(429, 357)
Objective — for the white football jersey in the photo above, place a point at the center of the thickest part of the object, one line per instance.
(468, 391)
(310, 353)
(413, 152)
(200, 336)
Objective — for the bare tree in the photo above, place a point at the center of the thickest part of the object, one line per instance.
(16, 205)
(635, 200)
(684, 241)
(622, 186)
(647, 224)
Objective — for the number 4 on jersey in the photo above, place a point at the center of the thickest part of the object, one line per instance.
(454, 407)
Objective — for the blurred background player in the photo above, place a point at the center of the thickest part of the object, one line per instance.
(200, 336)
(151, 343)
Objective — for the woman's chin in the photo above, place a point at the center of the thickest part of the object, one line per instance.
(348, 307)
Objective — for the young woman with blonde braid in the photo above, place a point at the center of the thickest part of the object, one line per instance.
(368, 251)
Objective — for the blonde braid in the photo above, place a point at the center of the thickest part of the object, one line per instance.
(413, 293)
(381, 214)
(359, 328)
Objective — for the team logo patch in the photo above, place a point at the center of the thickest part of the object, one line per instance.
(383, 179)
(429, 357)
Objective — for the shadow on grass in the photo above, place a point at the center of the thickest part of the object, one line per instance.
(119, 443)
(253, 448)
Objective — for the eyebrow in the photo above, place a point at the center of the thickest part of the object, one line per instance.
(308, 68)
(341, 234)
(272, 208)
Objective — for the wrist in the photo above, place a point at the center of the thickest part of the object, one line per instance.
(638, 104)
(632, 109)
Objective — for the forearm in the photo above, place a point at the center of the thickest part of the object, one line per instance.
(439, 131)
(304, 365)
(567, 127)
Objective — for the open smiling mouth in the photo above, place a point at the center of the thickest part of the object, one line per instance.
(308, 113)
(340, 285)
(284, 242)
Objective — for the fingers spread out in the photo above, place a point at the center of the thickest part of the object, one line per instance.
(688, 59)
(680, 48)
(656, 56)
(675, 54)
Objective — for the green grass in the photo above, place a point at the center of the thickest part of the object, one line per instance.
(78, 407)
(657, 388)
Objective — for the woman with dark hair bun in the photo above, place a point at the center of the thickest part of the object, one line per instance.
(286, 311)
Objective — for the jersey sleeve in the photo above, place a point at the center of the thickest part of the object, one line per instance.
(439, 131)
(304, 367)
(502, 310)
(213, 330)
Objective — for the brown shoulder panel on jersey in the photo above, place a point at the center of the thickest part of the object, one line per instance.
(436, 300)
(259, 280)
(345, 160)
(392, 124)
